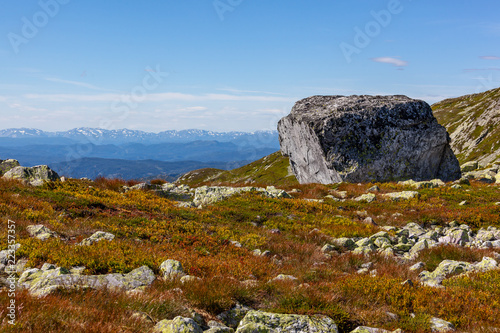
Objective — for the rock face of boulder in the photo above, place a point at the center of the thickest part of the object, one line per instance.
(330, 139)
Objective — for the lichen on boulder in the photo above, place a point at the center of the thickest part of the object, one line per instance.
(34, 176)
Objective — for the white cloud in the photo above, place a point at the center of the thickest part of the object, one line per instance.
(393, 61)
(490, 57)
(26, 108)
(193, 109)
(75, 83)
(157, 97)
(249, 91)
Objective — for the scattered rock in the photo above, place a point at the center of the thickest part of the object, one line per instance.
(283, 277)
(206, 195)
(434, 183)
(257, 321)
(469, 166)
(452, 267)
(40, 231)
(233, 316)
(6, 165)
(417, 266)
(35, 176)
(171, 269)
(369, 221)
(365, 329)
(178, 325)
(369, 197)
(189, 279)
(41, 283)
(97, 237)
(405, 195)
(440, 325)
(330, 139)
(374, 188)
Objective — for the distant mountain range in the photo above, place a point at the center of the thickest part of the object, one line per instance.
(139, 170)
(129, 154)
(98, 136)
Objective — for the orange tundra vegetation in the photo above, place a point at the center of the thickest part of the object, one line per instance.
(149, 229)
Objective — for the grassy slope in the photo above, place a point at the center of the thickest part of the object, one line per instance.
(269, 170)
(451, 113)
(150, 229)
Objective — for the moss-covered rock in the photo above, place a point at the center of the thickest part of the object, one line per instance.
(233, 316)
(400, 196)
(273, 322)
(6, 165)
(97, 237)
(171, 269)
(35, 176)
(41, 283)
(178, 325)
(40, 231)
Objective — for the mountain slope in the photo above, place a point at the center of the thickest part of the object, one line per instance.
(473, 122)
(270, 170)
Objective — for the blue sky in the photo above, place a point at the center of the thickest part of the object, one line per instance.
(232, 64)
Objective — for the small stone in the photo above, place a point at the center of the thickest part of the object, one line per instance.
(97, 237)
(405, 195)
(369, 197)
(374, 188)
(283, 277)
(40, 231)
(408, 283)
(369, 221)
(171, 269)
(417, 266)
(327, 248)
(440, 325)
(189, 279)
(463, 203)
(178, 325)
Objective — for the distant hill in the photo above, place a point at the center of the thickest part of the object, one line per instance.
(473, 122)
(140, 170)
(202, 151)
(270, 170)
(98, 136)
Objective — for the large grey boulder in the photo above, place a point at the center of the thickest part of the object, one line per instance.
(34, 176)
(330, 139)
